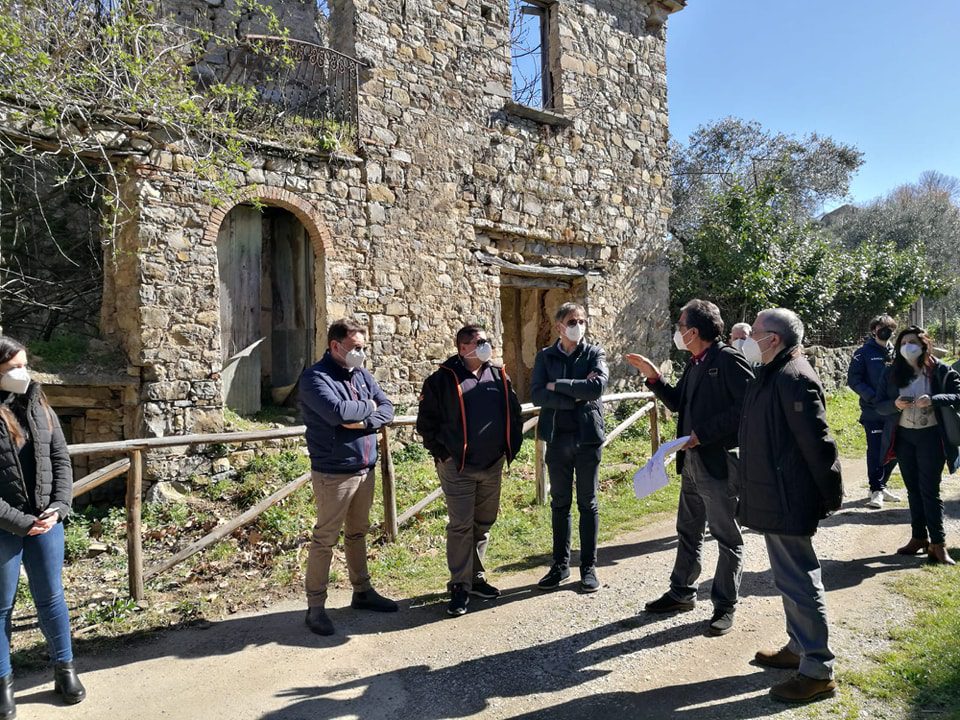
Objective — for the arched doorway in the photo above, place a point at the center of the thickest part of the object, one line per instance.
(268, 305)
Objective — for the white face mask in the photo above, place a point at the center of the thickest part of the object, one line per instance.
(484, 352)
(738, 343)
(354, 358)
(911, 352)
(751, 351)
(678, 339)
(16, 380)
(575, 332)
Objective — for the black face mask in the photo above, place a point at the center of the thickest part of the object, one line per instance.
(884, 334)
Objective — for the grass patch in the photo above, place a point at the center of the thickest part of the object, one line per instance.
(921, 669)
(843, 416)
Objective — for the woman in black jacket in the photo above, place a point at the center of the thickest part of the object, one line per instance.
(36, 487)
(913, 393)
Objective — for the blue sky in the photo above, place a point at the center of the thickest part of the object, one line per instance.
(883, 75)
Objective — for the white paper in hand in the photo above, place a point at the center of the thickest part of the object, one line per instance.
(653, 476)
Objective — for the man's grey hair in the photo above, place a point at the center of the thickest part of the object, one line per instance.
(784, 323)
(742, 326)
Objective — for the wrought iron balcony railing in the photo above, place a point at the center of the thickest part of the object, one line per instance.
(306, 94)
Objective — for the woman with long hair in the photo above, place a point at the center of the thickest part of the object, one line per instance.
(36, 492)
(913, 393)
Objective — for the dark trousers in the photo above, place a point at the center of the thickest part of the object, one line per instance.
(566, 458)
(877, 472)
(921, 457)
(706, 501)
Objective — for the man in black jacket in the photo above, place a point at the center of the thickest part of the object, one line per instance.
(789, 481)
(568, 380)
(708, 398)
(469, 418)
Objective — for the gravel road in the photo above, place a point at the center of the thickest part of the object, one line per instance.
(526, 655)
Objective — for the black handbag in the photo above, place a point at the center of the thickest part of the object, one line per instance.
(951, 424)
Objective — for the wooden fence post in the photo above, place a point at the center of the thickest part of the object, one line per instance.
(134, 536)
(543, 481)
(389, 486)
(654, 429)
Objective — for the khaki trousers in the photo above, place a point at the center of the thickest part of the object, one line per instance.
(473, 502)
(343, 501)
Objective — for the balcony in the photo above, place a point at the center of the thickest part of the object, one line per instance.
(305, 94)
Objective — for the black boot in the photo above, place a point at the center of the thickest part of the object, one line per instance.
(8, 709)
(67, 684)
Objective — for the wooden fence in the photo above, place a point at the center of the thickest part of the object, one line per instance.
(132, 466)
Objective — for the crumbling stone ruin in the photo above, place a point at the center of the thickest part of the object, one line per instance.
(448, 201)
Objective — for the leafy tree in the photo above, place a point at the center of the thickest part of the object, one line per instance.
(922, 216)
(807, 171)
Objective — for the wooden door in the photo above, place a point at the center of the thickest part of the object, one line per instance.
(238, 257)
(293, 324)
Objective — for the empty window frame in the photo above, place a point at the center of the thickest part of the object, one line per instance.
(530, 53)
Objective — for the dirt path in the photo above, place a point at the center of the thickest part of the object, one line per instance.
(529, 654)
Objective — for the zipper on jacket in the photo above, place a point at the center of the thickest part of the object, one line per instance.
(356, 396)
(506, 406)
(463, 414)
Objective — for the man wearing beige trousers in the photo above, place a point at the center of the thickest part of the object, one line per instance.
(343, 408)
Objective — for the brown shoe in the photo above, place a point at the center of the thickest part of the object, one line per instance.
(937, 552)
(782, 658)
(803, 689)
(913, 547)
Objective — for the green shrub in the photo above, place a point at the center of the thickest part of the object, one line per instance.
(76, 538)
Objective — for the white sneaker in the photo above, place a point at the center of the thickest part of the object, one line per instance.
(876, 500)
(890, 496)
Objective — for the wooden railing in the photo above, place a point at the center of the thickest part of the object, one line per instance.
(132, 466)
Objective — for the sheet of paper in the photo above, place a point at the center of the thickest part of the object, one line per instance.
(653, 476)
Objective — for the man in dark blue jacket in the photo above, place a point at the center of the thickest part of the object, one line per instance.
(863, 377)
(343, 407)
(708, 400)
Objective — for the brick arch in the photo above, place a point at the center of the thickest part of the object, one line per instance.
(304, 210)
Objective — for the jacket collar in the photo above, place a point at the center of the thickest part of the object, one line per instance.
(336, 369)
(778, 362)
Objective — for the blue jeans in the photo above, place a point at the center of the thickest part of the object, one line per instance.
(706, 501)
(796, 573)
(42, 556)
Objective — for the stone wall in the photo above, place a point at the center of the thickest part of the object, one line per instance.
(831, 364)
(456, 195)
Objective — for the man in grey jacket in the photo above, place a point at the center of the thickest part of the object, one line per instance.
(568, 380)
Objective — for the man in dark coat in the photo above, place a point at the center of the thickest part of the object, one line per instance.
(469, 418)
(708, 398)
(343, 408)
(863, 377)
(789, 481)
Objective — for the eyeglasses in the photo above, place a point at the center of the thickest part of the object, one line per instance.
(573, 322)
(479, 342)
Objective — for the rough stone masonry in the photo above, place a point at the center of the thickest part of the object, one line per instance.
(457, 205)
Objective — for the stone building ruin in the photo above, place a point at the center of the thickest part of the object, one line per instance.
(454, 203)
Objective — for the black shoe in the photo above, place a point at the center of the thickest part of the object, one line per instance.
(8, 709)
(557, 574)
(372, 600)
(588, 580)
(67, 684)
(482, 589)
(667, 604)
(459, 599)
(721, 623)
(318, 621)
